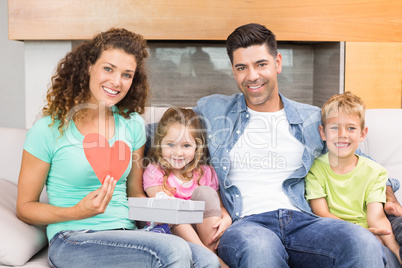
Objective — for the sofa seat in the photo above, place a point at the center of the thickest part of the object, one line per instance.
(383, 143)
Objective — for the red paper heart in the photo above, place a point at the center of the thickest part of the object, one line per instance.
(106, 160)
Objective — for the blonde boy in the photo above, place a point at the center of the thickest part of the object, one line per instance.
(341, 184)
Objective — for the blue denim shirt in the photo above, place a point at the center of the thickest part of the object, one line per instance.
(226, 118)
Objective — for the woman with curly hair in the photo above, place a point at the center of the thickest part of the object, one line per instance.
(87, 150)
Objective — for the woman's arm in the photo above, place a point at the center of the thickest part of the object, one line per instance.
(31, 181)
(376, 218)
(319, 206)
(134, 179)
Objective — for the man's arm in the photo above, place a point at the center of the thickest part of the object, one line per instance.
(392, 207)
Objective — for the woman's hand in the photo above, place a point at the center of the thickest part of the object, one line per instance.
(97, 201)
(33, 177)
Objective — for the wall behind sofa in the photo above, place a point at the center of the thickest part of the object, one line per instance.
(12, 78)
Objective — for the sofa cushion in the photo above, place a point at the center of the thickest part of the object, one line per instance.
(383, 142)
(12, 142)
(19, 241)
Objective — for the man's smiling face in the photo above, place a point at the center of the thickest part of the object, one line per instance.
(255, 71)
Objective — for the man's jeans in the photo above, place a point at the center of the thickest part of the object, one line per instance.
(126, 248)
(286, 238)
(396, 223)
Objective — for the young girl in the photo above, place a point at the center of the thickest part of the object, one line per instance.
(179, 168)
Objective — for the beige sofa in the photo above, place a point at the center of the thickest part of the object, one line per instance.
(26, 245)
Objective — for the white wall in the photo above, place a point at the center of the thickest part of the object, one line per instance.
(12, 76)
(25, 74)
(41, 58)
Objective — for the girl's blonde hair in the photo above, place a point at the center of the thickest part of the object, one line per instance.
(187, 118)
(347, 103)
(70, 84)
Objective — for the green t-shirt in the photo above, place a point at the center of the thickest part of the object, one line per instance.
(347, 195)
(71, 177)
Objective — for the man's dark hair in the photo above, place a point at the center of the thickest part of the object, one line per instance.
(250, 35)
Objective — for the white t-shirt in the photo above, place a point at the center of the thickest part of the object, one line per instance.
(262, 159)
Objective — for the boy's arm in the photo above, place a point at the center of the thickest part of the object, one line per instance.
(376, 218)
(319, 206)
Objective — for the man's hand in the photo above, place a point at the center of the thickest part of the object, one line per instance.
(392, 206)
(220, 226)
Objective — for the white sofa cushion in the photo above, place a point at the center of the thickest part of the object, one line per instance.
(384, 140)
(11, 144)
(19, 241)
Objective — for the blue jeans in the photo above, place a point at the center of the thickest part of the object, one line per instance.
(126, 248)
(396, 224)
(288, 238)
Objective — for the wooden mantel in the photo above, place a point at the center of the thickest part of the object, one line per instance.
(307, 20)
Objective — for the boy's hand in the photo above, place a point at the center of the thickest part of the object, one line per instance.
(376, 231)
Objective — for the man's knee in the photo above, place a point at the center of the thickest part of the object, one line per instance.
(363, 248)
(252, 247)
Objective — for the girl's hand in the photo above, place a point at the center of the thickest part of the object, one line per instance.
(221, 226)
(97, 201)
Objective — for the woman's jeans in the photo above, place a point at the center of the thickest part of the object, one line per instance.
(126, 248)
(286, 238)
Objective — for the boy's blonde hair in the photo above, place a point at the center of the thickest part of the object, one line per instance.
(346, 102)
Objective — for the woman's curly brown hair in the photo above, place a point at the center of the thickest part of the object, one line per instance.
(70, 84)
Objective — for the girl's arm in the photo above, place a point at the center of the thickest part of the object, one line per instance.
(185, 231)
(31, 181)
(319, 206)
(151, 191)
(376, 218)
(153, 176)
(134, 179)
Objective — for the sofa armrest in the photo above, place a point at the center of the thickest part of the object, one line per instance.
(19, 241)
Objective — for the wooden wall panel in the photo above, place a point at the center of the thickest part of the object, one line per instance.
(373, 71)
(308, 20)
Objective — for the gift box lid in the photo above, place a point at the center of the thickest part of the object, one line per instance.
(173, 204)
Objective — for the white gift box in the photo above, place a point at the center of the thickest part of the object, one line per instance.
(172, 211)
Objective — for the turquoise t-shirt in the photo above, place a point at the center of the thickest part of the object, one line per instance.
(348, 194)
(71, 177)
